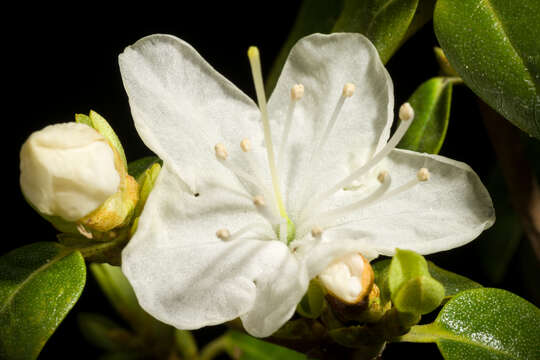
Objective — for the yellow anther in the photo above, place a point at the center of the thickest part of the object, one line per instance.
(348, 90)
(406, 112)
(221, 151)
(223, 234)
(297, 91)
(423, 174)
(316, 231)
(382, 176)
(258, 200)
(245, 145)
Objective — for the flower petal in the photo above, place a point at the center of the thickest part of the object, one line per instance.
(324, 64)
(182, 107)
(183, 274)
(445, 212)
(278, 294)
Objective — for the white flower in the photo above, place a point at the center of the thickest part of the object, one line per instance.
(250, 205)
(67, 170)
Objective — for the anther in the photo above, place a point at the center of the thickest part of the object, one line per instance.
(382, 176)
(406, 112)
(316, 231)
(423, 174)
(82, 230)
(221, 151)
(258, 200)
(297, 91)
(245, 145)
(348, 90)
(223, 234)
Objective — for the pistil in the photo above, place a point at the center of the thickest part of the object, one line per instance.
(255, 62)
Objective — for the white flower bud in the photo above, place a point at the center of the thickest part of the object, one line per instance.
(68, 170)
(349, 278)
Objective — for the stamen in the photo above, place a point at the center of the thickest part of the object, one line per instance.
(221, 155)
(330, 216)
(221, 151)
(255, 62)
(421, 176)
(348, 91)
(406, 112)
(82, 230)
(223, 234)
(408, 115)
(297, 92)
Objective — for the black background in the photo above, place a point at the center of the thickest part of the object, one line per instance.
(61, 61)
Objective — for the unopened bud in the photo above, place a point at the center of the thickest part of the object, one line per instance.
(349, 279)
(68, 170)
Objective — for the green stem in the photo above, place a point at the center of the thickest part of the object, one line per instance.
(214, 348)
(419, 334)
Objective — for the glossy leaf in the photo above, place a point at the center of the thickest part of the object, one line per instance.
(314, 16)
(384, 22)
(39, 284)
(431, 104)
(244, 347)
(493, 45)
(452, 282)
(484, 324)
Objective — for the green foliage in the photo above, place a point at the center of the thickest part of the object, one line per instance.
(412, 288)
(138, 167)
(384, 22)
(387, 23)
(39, 284)
(493, 46)
(484, 324)
(244, 347)
(312, 303)
(498, 244)
(431, 104)
(314, 16)
(452, 282)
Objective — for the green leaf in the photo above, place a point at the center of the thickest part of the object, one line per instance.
(493, 45)
(431, 104)
(424, 13)
(104, 333)
(384, 22)
(483, 324)
(497, 245)
(244, 347)
(314, 16)
(39, 284)
(138, 167)
(186, 344)
(452, 282)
